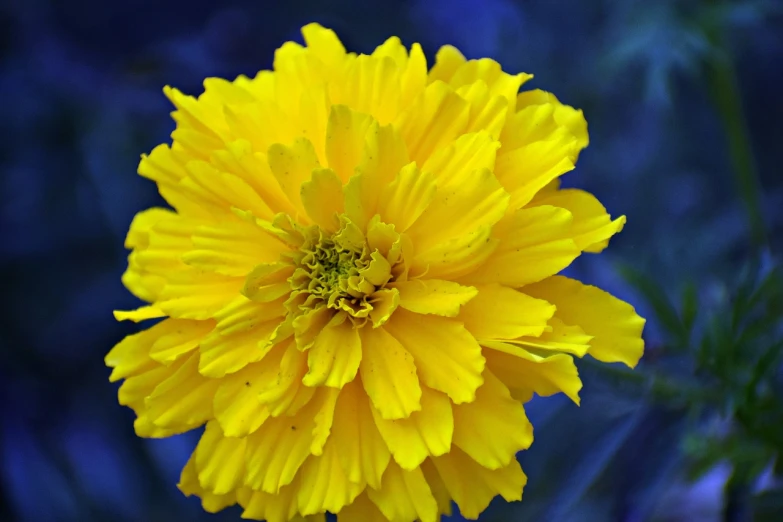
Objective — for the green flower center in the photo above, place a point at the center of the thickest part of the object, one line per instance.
(338, 270)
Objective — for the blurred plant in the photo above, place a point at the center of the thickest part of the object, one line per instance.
(722, 368)
(713, 385)
(698, 39)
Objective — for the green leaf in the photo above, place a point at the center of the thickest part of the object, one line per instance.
(689, 306)
(661, 304)
(767, 506)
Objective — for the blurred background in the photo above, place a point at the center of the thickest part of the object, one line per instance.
(684, 106)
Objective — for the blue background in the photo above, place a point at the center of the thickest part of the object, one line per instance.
(80, 99)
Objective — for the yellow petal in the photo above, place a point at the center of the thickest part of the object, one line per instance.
(176, 337)
(221, 354)
(140, 282)
(384, 303)
(592, 227)
(276, 452)
(457, 162)
(334, 358)
(223, 189)
(232, 248)
(369, 85)
(292, 166)
(285, 393)
(345, 138)
(361, 510)
(383, 155)
(309, 325)
(414, 78)
(362, 452)
(272, 507)
(473, 486)
(614, 324)
(220, 460)
(433, 296)
(324, 44)
(140, 227)
(405, 495)
(447, 60)
(240, 158)
(564, 116)
(137, 387)
(140, 314)
(236, 404)
(489, 72)
(168, 241)
(456, 257)
(393, 49)
(189, 485)
(528, 169)
(494, 427)
(424, 433)
(198, 295)
(437, 486)
(499, 312)
(528, 373)
(324, 420)
(145, 428)
(447, 357)
(162, 166)
(404, 200)
(378, 272)
(296, 71)
(473, 202)
(389, 374)
(322, 197)
(487, 111)
(531, 123)
(534, 244)
(242, 314)
(561, 338)
(434, 120)
(184, 399)
(267, 282)
(198, 116)
(324, 485)
(131, 356)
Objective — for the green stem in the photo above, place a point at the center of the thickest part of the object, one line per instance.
(736, 493)
(662, 388)
(722, 82)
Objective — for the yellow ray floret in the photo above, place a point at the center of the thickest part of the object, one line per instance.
(356, 287)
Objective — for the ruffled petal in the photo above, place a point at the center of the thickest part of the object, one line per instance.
(527, 373)
(494, 427)
(405, 495)
(389, 374)
(473, 486)
(447, 357)
(433, 296)
(425, 433)
(499, 312)
(361, 449)
(614, 324)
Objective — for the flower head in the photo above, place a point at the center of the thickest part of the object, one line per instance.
(357, 285)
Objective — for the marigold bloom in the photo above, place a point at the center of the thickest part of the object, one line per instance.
(357, 283)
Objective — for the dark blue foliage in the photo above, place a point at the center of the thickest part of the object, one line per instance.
(80, 99)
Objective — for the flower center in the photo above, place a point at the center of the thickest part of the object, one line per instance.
(338, 270)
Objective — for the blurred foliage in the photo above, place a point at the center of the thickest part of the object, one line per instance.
(733, 389)
(683, 102)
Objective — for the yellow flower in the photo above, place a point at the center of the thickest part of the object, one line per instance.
(357, 283)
